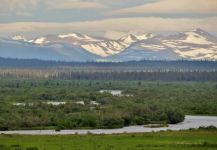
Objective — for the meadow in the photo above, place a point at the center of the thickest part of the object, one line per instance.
(203, 139)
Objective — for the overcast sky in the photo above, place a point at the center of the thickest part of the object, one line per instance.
(109, 18)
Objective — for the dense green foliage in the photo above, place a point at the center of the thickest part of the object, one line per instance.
(144, 102)
(178, 140)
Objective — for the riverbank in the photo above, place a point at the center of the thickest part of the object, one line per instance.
(190, 122)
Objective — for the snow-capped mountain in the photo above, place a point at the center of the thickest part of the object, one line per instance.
(98, 46)
(108, 47)
(72, 38)
(50, 51)
(132, 38)
(105, 48)
(195, 44)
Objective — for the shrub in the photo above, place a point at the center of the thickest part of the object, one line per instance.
(174, 116)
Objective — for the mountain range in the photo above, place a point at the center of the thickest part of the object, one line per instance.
(191, 45)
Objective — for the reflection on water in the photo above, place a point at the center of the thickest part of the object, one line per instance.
(48, 103)
(112, 92)
(190, 122)
(115, 92)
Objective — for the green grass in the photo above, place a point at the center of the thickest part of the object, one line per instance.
(170, 140)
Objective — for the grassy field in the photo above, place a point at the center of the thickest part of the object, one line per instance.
(170, 140)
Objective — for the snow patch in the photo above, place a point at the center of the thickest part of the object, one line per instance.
(153, 47)
(105, 48)
(68, 35)
(194, 53)
(77, 36)
(132, 38)
(95, 49)
(41, 40)
(195, 38)
(19, 38)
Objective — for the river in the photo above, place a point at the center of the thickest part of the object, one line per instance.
(189, 122)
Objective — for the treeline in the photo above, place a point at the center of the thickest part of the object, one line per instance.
(147, 76)
(70, 74)
(131, 65)
(71, 116)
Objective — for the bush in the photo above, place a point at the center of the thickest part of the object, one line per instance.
(112, 123)
(174, 116)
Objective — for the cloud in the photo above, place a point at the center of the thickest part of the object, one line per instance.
(72, 4)
(3, 14)
(24, 14)
(114, 34)
(140, 24)
(17, 5)
(171, 6)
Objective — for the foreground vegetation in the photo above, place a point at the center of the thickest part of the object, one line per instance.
(202, 139)
(141, 103)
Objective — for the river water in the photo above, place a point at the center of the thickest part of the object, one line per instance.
(189, 122)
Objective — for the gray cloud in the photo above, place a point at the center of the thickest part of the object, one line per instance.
(171, 6)
(142, 24)
(74, 4)
(113, 26)
(24, 14)
(18, 5)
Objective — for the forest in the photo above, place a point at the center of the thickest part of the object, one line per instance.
(144, 65)
(91, 74)
(24, 103)
(36, 94)
(146, 70)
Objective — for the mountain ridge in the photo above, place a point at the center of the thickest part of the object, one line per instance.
(193, 45)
